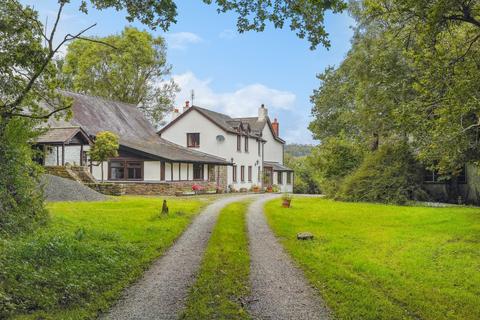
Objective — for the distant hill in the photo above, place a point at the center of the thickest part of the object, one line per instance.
(298, 150)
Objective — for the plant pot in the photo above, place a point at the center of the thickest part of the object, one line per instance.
(256, 189)
(286, 203)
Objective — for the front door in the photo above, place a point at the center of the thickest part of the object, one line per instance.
(268, 176)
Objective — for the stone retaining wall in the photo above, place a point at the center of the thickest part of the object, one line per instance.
(111, 189)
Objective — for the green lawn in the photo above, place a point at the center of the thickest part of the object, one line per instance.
(80, 262)
(373, 261)
(223, 280)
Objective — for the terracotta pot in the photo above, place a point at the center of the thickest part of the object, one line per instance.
(286, 203)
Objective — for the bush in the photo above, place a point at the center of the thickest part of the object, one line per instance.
(21, 200)
(332, 161)
(389, 175)
(304, 182)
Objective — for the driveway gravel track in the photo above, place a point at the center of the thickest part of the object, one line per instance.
(163, 289)
(279, 289)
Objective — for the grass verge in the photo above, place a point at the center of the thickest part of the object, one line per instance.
(373, 261)
(88, 253)
(223, 279)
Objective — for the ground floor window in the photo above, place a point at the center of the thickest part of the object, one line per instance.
(197, 171)
(234, 173)
(289, 178)
(242, 173)
(250, 173)
(280, 177)
(125, 170)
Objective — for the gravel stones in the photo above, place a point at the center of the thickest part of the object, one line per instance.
(61, 189)
(279, 289)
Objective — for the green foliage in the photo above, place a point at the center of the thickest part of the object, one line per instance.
(298, 150)
(131, 71)
(331, 161)
(389, 175)
(78, 264)
(379, 262)
(106, 146)
(304, 181)
(223, 280)
(21, 199)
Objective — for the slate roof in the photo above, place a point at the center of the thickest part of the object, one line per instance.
(94, 114)
(62, 135)
(276, 166)
(230, 124)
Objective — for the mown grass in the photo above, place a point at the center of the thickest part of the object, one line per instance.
(79, 263)
(223, 279)
(373, 261)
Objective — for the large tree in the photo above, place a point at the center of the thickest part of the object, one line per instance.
(130, 69)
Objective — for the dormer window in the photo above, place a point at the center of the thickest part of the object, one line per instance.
(193, 140)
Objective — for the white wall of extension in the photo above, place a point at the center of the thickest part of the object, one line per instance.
(72, 155)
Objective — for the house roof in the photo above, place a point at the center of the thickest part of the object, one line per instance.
(276, 166)
(94, 114)
(62, 136)
(250, 125)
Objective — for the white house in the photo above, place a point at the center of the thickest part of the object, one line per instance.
(252, 145)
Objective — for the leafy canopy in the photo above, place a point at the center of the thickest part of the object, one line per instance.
(130, 69)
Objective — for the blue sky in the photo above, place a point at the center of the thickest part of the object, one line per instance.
(231, 72)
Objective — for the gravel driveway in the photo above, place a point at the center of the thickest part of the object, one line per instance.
(161, 292)
(279, 289)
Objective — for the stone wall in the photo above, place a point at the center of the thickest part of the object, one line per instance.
(58, 171)
(161, 188)
(111, 189)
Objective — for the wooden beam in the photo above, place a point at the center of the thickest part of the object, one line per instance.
(171, 171)
(63, 154)
(81, 155)
(58, 159)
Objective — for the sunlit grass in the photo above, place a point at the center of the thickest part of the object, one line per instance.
(373, 261)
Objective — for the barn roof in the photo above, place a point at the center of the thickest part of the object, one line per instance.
(94, 114)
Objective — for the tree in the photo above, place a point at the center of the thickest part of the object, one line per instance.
(304, 180)
(105, 147)
(131, 70)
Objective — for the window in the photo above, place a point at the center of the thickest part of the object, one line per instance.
(430, 176)
(249, 173)
(239, 143)
(435, 177)
(125, 170)
(197, 171)
(242, 173)
(289, 178)
(246, 143)
(193, 140)
(234, 175)
(280, 178)
(134, 170)
(259, 149)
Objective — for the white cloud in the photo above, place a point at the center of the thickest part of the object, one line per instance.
(228, 34)
(241, 102)
(180, 40)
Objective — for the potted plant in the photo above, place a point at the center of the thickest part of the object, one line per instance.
(286, 200)
(269, 189)
(275, 188)
(255, 188)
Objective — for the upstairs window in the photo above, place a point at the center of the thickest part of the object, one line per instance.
(239, 143)
(193, 140)
(197, 171)
(246, 143)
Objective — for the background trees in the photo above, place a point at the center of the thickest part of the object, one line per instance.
(130, 69)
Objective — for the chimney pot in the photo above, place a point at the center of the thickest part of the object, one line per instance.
(276, 127)
(187, 105)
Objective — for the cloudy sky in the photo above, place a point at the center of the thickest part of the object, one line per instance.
(231, 72)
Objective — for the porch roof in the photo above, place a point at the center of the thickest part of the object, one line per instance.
(63, 136)
(276, 166)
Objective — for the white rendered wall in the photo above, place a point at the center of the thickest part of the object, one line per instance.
(72, 155)
(273, 148)
(194, 122)
(151, 170)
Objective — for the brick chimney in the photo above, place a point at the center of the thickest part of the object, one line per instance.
(187, 105)
(262, 113)
(275, 126)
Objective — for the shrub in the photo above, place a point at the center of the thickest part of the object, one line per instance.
(303, 180)
(21, 199)
(389, 175)
(332, 161)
